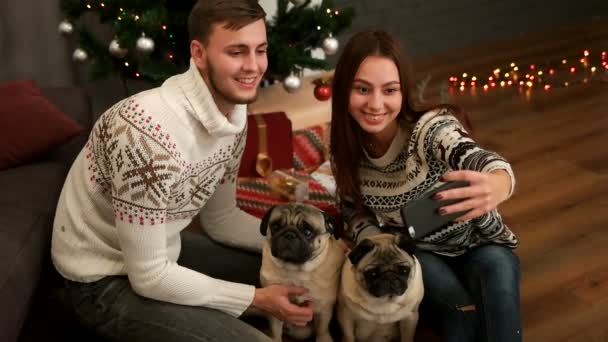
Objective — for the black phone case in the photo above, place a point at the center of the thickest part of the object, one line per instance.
(421, 216)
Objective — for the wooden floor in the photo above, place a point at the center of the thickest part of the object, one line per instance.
(557, 142)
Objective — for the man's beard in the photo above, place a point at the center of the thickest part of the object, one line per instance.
(224, 93)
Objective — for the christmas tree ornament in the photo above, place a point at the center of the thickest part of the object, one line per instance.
(116, 50)
(322, 92)
(292, 83)
(65, 27)
(144, 44)
(298, 3)
(80, 55)
(330, 45)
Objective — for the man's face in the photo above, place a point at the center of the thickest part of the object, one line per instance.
(233, 63)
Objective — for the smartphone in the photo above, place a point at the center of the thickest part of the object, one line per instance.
(421, 216)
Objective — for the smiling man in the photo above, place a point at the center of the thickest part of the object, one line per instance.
(153, 162)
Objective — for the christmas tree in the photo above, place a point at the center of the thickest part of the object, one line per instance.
(150, 39)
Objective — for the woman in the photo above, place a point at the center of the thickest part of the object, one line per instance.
(401, 150)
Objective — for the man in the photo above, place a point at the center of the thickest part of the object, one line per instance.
(153, 161)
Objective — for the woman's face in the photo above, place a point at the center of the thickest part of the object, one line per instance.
(375, 96)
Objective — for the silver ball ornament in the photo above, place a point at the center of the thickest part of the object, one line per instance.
(292, 83)
(298, 2)
(65, 27)
(330, 45)
(80, 55)
(145, 44)
(116, 50)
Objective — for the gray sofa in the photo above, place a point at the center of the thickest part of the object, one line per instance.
(30, 288)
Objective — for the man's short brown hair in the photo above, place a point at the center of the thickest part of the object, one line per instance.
(236, 14)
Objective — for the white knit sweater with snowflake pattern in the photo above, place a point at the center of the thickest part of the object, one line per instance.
(152, 162)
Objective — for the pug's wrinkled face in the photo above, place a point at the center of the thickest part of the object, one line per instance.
(297, 232)
(384, 264)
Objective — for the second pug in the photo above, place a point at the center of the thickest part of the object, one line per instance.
(380, 290)
(301, 250)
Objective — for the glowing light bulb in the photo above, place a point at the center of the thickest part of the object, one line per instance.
(586, 53)
(474, 78)
(515, 68)
(564, 61)
(506, 74)
(593, 69)
(572, 69)
(126, 64)
(547, 86)
(465, 75)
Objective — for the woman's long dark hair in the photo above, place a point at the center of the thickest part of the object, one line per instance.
(346, 135)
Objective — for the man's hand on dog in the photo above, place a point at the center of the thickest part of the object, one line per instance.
(275, 299)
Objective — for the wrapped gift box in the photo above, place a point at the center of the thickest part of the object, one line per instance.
(269, 145)
(255, 195)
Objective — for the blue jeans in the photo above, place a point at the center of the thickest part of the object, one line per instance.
(110, 309)
(472, 297)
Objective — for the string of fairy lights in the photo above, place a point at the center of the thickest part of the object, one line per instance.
(583, 68)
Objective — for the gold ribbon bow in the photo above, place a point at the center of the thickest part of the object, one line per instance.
(263, 165)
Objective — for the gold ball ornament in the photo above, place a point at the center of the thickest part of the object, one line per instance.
(330, 45)
(65, 28)
(116, 50)
(145, 44)
(292, 83)
(80, 55)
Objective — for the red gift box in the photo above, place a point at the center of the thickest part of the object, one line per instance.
(269, 145)
(255, 196)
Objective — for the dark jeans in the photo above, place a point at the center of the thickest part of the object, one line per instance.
(473, 297)
(111, 309)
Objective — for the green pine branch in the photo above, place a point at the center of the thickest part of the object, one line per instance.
(292, 34)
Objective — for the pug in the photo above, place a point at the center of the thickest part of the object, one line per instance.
(380, 291)
(301, 249)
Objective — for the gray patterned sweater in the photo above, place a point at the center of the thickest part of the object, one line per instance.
(413, 165)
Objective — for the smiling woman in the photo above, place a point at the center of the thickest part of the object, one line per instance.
(400, 150)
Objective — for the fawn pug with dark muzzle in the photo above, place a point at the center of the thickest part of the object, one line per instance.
(301, 250)
(380, 290)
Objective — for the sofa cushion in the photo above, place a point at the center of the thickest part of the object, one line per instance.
(34, 187)
(75, 102)
(31, 124)
(28, 201)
